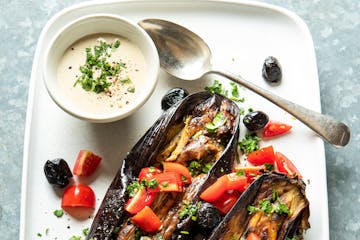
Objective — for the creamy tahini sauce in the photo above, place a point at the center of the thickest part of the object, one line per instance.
(117, 95)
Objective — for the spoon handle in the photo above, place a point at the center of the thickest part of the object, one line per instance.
(331, 130)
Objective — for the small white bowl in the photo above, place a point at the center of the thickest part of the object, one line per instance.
(93, 24)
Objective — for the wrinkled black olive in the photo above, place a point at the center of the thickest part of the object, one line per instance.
(172, 97)
(57, 172)
(255, 120)
(271, 70)
(208, 216)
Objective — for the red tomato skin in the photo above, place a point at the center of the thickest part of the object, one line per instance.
(251, 172)
(275, 128)
(214, 191)
(148, 173)
(141, 199)
(285, 165)
(86, 163)
(236, 182)
(252, 236)
(78, 196)
(262, 156)
(171, 179)
(226, 201)
(179, 168)
(225, 183)
(147, 220)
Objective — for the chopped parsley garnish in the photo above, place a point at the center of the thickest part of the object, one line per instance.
(218, 88)
(159, 237)
(47, 231)
(218, 121)
(197, 167)
(131, 89)
(270, 206)
(59, 213)
(249, 143)
(133, 187)
(269, 167)
(39, 234)
(235, 95)
(153, 183)
(85, 231)
(75, 238)
(125, 80)
(240, 173)
(116, 230)
(96, 70)
(189, 210)
(242, 111)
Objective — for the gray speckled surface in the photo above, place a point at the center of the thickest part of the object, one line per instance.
(335, 27)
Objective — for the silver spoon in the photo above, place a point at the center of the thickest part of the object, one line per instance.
(185, 55)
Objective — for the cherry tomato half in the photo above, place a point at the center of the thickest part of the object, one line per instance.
(284, 165)
(141, 199)
(274, 128)
(147, 220)
(169, 182)
(262, 156)
(78, 196)
(230, 181)
(226, 201)
(148, 173)
(86, 163)
(178, 168)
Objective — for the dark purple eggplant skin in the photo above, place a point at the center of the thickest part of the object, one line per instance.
(111, 212)
(264, 183)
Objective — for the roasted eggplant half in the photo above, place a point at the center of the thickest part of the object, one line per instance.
(200, 133)
(274, 207)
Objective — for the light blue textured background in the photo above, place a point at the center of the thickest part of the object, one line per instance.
(335, 27)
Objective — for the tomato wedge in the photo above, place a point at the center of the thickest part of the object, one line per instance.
(148, 173)
(236, 182)
(230, 181)
(275, 128)
(178, 168)
(78, 196)
(86, 163)
(168, 182)
(284, 165)
(252, 236)
(147, 220)
(141, 199)
(226, 201)
(262, 156)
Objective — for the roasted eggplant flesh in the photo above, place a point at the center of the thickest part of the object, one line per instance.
(202, 129)
(274, 207)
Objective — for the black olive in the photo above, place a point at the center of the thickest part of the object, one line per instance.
(172, 97)
(271, 70)
(57, 172)
(255, 120)
(208, 216)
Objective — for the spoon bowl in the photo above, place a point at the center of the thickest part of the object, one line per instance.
(185, 55)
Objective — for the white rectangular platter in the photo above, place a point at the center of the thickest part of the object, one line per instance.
(241, 35)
